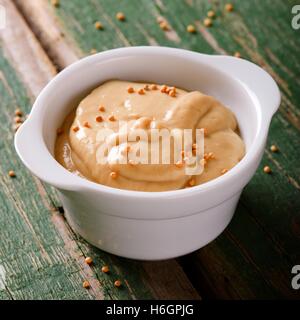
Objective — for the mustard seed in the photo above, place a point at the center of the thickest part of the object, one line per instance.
(55, 3)
(229, 7)
(99, 119)
(120, 16)
(112, 118)
(267, 169)
(164, 25)
(130, 90)
(88, 260)
(98, 25)
(207, 22)
(18, 112)
(113, 175)
(11, 173)
(118, 283)
(190, 28)
(274, 148)
(211, 14)
(105, 269)
(18, 119)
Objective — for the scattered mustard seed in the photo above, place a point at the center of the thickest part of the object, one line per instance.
(98, 25)
(229, 7)
(75, 129)
(87, 125)
(18, 119)
(11, 173)
(207, 22)
(267, 169)
(120, 16)
(130, 90)
(118, 283)
(237, 54)
(55, 3)
(112, 118)
(141, 91)
(88, 260)
(113, 175)
(211, 14)
(164, 89)
(86, 284)
(99, 119)
(18, 112)
(105, 269)
(274, 148)
(153, 87)
(146, 87)
(172, 93)
(164, 25)
(190, 28)
(101, 108)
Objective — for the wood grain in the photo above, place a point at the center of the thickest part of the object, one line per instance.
(46, 26)
(41, 256)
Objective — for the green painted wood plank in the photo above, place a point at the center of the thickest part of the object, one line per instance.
(253, 258)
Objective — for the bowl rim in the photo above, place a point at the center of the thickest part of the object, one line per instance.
(78, 183)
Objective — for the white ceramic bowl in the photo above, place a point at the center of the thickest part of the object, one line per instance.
(144, 225)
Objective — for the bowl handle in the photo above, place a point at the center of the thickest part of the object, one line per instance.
(41, 163)
(257, 79)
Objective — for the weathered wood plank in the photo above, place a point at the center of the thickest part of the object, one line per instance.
(41, 256)
(253, 258)
(46, 26)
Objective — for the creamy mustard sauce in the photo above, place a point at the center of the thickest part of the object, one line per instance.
(146, 106)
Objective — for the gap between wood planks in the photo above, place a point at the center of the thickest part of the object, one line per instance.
(36, 69)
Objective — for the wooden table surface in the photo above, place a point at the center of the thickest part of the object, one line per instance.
(40, 256)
